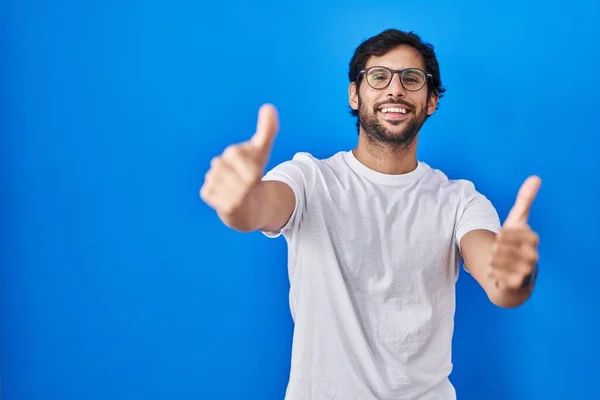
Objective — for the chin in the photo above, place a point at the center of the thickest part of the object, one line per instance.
(396, 128)
(392, 136)
(395, 132)
(394, 122)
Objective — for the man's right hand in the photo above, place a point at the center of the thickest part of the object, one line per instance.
(233, 176)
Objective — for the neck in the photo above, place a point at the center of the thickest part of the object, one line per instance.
(386, 158)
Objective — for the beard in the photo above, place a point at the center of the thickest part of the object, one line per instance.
(378, 134)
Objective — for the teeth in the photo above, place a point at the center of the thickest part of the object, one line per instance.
(393, 109)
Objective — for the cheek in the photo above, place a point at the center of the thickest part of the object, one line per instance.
(423, 106)
(362, 105)
(366, 98)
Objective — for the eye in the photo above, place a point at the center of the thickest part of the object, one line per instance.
(412, 77)
(378, 77)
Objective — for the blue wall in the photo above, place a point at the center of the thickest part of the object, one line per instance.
(117, 282)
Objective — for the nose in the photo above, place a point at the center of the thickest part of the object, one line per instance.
(395, 88)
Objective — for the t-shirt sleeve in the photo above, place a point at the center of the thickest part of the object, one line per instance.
(476, 212)
(295, 173)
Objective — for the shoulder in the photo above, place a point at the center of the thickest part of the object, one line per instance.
(308, 163)
(471, 208)
(468, 202)
(439, 180)
(319, 162)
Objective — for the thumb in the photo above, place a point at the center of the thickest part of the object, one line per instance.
(519, 213)
(266, 129)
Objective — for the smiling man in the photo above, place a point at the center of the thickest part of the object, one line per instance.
(375, 236)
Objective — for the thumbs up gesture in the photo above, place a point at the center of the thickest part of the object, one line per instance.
(234, 174)
(514, 256)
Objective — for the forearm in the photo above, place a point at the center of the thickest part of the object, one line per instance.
(267, 207)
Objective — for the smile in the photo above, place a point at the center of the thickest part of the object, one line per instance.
(388, 110)
(398, 113)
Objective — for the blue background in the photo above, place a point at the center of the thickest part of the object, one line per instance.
(118, 282)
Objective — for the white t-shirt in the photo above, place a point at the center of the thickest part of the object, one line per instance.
(373, 261)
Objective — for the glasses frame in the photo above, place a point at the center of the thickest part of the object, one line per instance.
(399, 72)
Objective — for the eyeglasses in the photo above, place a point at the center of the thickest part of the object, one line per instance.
(379, 78)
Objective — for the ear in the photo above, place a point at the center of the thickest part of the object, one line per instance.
(432, 104)
(353, 96)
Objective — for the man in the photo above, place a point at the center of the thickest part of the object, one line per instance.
(375, 237)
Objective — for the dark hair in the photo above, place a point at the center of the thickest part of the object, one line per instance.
(388, 40)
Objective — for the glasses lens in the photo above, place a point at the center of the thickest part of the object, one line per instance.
(378, 77)
(413, 79)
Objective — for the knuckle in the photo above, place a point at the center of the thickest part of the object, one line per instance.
(215, 162)
(254, 171)
(205, 193)
(208, 175)
(232, 151)
(497, 260)
(247, 171)
(533, 258)
(493, 264)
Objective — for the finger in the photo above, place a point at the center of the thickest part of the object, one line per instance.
(505, 264)
(219, 169)
(519, 213)
(514, 260)
(220, 188)
(518, 236)
(506, 279)
(219, 174)
(266, 128)
(497, 278)
(529, 255)
(242, 164)
(504, 254)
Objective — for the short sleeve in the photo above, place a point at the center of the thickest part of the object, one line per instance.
(295, 173)
(475, 212)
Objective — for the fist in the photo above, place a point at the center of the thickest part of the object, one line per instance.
(234, 174)
(514, 255)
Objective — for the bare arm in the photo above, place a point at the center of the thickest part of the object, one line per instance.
(233, 185)
(267, 208)
(505, 264)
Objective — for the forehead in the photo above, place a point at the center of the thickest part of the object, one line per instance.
(400, 57)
